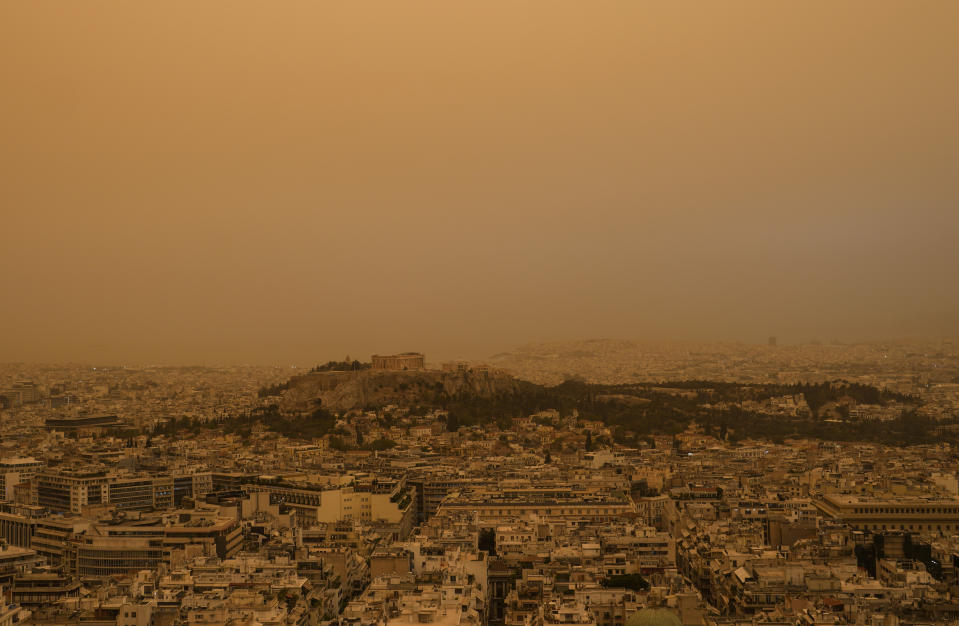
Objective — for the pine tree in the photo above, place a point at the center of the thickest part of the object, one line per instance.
(452, 423)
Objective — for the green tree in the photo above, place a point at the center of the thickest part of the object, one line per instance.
(629, 581)
(487, 540)
(452, 423)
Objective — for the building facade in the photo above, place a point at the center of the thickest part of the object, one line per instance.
(14, 471)
(893, 513)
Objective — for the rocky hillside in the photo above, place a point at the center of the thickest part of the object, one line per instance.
(341, 391)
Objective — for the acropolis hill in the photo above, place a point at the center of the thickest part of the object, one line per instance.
(376, 387)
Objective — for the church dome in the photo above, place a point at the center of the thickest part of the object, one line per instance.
(653, 617)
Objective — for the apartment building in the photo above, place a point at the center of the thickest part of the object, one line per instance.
(13, 471)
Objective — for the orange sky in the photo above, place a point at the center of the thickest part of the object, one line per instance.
(224, 182)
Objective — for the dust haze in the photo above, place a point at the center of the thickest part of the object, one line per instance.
(238, 182)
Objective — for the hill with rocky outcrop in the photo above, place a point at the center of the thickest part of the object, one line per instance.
(308, 405)
(346, 390)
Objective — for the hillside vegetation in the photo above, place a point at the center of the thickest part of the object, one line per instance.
(632, 411)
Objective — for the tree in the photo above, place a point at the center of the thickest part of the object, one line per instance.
(548, 458)
(589, 441)
(452, 423)
(487, 540)
(629, 581)
(337, 443)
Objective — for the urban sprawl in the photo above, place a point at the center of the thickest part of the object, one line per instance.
(591, 483)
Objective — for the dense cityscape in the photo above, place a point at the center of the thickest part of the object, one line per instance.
(529, 313)
(396, 491)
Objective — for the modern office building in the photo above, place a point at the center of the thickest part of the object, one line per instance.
(68, 491)
(389, 501)
(22, 392)
(556, 502)
(892, 513)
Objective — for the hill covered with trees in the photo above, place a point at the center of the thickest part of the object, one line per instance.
(633, 411)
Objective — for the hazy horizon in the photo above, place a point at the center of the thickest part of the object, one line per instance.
(228, 183)
(435, 359)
